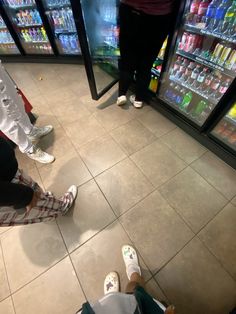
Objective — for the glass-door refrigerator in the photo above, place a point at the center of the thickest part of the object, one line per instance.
(7, 44)
(202, 65)
(61, 20)
(28, 25)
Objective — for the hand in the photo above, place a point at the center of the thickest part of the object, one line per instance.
(170, 310)
(33, 203)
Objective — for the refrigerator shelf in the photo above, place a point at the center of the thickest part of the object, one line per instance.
(58, 6)
(8, 43)
(37, 42)
(229, 119)
(197, 30)
(29, 25)
(206, 62)
(213, 101)
(22, 7)
(155, 72)
(66, 32)
(3, 27)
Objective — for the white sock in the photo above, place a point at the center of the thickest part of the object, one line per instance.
(132, 268)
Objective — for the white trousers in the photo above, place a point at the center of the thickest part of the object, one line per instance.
(14, 122)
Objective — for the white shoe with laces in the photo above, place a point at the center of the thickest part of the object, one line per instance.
(38, 132)
(135, 103)
(122, 100)
(40, 156)
(70, 196)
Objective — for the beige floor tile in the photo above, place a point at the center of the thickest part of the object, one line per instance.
(100, 255)
(55, 292)
(193, 198)
(40, 105)
(156, 123)
(4, 229)
(57, 143)
(138, 112)
(167, 233)
(234, 200)
(4, 287)
(84, 130)
(101, 154)
(97, 105)
(124, 186)
(70, 110)
(34, 174)
(219, 236)
(6, 306)
(80, 87)
(34, 248)
(158, 162)
(112, 117)
(47, 118)
(218, 173)
(58, 96)
(183, 145)
(155, 291)
(64, 172)
(133, 136)
(91, 213)
(195, 282)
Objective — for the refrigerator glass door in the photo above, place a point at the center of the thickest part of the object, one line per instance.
(62, 22)
(7, 44)
(102, 31)
(27, 22)
(203, 63)
(225, 131)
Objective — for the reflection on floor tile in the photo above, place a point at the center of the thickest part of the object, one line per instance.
(35, 248)
(56, 292)
(196, 283)
(90, 214)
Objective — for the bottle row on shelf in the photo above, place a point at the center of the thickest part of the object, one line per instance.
(34, 34)
(5, 37)
(39, 48)
(9, 49)
(206, 82)
(185, 101)
(19, 3)
(28, 17)
(219, 53)
(62, 20)
(216, 16)
(69, 44)
(57, 3)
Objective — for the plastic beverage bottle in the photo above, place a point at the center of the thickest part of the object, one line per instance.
(223, 88)
(217, 52)
(202, 9)
(194, 75)
(219, 16)
(229, 19)
(231, 61)
(201, 106)
(200, 79)
(224, 55)
(195, 6)
(186, 100)
(210, 13)
(215, 84)
(207, 82)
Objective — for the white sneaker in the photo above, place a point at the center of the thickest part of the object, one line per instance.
(70, 197)
(111, 283)
(41, 156)
(135, 103)
(121, 100)
(131, 260)
(39, 132)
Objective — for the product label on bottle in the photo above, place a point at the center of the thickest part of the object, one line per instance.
(223, 89)
(194, 75)
(215, 85)
(200, 79)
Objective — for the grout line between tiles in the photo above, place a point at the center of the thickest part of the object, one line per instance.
(5, 268)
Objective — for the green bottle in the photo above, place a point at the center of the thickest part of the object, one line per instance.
(201, 106)
(186, 100)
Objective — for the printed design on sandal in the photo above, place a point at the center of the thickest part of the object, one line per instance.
(111, 283)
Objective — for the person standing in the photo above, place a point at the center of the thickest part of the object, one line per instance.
(144, 25)
(15, 123)
(22, 201)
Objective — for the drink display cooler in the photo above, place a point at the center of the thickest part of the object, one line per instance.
(193, 79)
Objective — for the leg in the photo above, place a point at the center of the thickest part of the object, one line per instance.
(135, 280)
(127, 43)
(48, 207)
(149, 47)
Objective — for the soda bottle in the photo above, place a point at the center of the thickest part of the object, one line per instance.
(217, 52)
(201, 106)
(222, 88)
(183, 65)
(202, 9)
(186, 100)
(205, 113)
(168, 91)
(224, 55)
(194, 75)
(176, 66)
(215, 84)
(183, 41)
(195, 6)
(200, 79)
(188, 72)
(219, 16)
(231, 61)
(229, 18)
(210, 13)
(207, 82)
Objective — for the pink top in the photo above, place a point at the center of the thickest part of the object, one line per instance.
(153, 7)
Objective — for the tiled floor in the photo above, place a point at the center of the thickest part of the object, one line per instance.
(142, 181)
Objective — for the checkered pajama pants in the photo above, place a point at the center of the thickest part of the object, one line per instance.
(47, 208)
